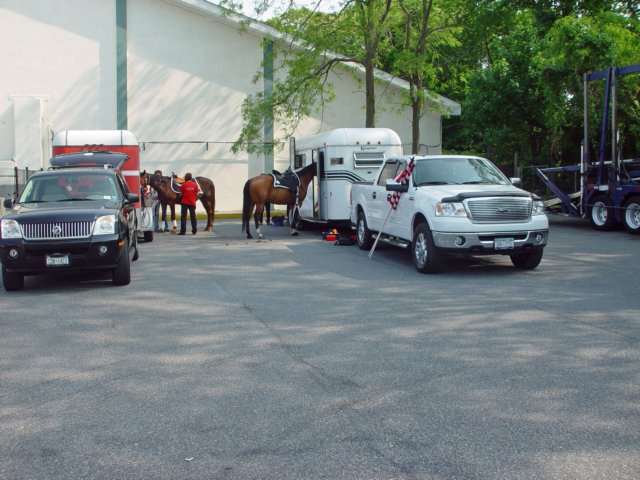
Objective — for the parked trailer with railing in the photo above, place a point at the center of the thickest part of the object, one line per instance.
(609, 191)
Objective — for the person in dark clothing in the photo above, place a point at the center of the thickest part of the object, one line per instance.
(189, 195)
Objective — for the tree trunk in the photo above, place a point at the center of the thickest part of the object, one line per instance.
(370, 95)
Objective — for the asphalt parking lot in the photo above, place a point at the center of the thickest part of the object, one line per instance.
(293, 358)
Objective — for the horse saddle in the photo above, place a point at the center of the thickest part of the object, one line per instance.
(176, 183)
(289, 180)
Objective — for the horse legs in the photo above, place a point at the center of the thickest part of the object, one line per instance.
(174, 228)
(165, 227)
(257, 216)
(291, 216)
(207, 203)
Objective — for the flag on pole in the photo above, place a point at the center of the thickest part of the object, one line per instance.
(402, 178)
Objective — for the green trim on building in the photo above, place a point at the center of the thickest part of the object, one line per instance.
(267, 70)
(121, 64)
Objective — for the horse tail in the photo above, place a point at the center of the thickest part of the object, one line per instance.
(246, 205)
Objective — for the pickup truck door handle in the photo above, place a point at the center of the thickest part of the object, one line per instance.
(374, 194)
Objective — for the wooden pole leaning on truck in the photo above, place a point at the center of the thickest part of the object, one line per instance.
(373, 247)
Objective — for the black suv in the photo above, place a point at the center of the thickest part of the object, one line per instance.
(77, 216)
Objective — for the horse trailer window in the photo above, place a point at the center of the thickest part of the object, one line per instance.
(367, 159)
(337, 161)
(298, 161)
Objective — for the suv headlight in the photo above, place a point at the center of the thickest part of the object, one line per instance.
(450, 209)
(105, 225)
(10, 229)
(538, 208)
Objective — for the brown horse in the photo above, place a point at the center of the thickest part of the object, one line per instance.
(259, 190)
(162, 185)
(146, 179)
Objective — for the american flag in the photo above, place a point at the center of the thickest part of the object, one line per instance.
(403, 178)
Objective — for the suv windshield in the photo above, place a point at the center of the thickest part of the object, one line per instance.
(69, 187)
(457, 171)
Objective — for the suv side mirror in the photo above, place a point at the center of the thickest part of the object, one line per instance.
(516, 182)
(132, 198)
(8, 202)
(397, 187)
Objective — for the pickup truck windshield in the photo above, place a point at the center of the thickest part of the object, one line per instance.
(70, 187)
(457, 171)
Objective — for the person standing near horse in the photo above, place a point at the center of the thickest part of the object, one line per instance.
(189, 197)
(156, 203)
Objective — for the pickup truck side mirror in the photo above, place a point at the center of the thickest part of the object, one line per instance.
(132, 198)
(516, 182)
(8, 203)
(397, 187)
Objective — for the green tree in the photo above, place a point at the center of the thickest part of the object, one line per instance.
(573, 47)
(305, 60)
(421, 28)
(503, 106)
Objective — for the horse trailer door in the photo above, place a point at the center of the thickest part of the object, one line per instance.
(321, 202)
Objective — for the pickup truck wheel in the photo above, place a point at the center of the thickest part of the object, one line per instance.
(528, 260)
(365, 241)
(602, 217)
(12, 281)
(426, 257)
(148, 236)
(122, 272)
(632, 215)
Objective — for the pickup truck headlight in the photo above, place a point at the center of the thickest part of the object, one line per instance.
(105, 225)
(450, 209)
(10, 229)
(537, 208)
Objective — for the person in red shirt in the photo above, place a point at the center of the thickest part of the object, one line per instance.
(189, 197)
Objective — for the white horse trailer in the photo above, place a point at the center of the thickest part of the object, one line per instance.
(343, 156)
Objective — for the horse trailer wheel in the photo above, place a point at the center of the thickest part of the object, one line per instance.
(122, 272)
(632, 215)
(602, 217)
(12, 281)
(528, 260)
(364, 239)
(425, 256)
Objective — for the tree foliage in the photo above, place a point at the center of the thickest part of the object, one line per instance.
(317, 43)
(516, 66)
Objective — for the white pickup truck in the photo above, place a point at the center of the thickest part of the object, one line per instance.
(450, 204)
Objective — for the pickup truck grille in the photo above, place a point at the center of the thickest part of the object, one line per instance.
(57, 230)
(499, 209)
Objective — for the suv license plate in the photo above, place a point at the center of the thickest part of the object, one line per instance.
(58, 261)
(503, 244)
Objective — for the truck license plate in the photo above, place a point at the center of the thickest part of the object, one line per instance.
(57, 261)
(503, 244)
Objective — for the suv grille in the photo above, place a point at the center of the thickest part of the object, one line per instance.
(499, 209)
(57, 230)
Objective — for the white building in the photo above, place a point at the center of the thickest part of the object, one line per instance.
(174, 72)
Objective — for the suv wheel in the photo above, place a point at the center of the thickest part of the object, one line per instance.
(122, 272)
(12, 281)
